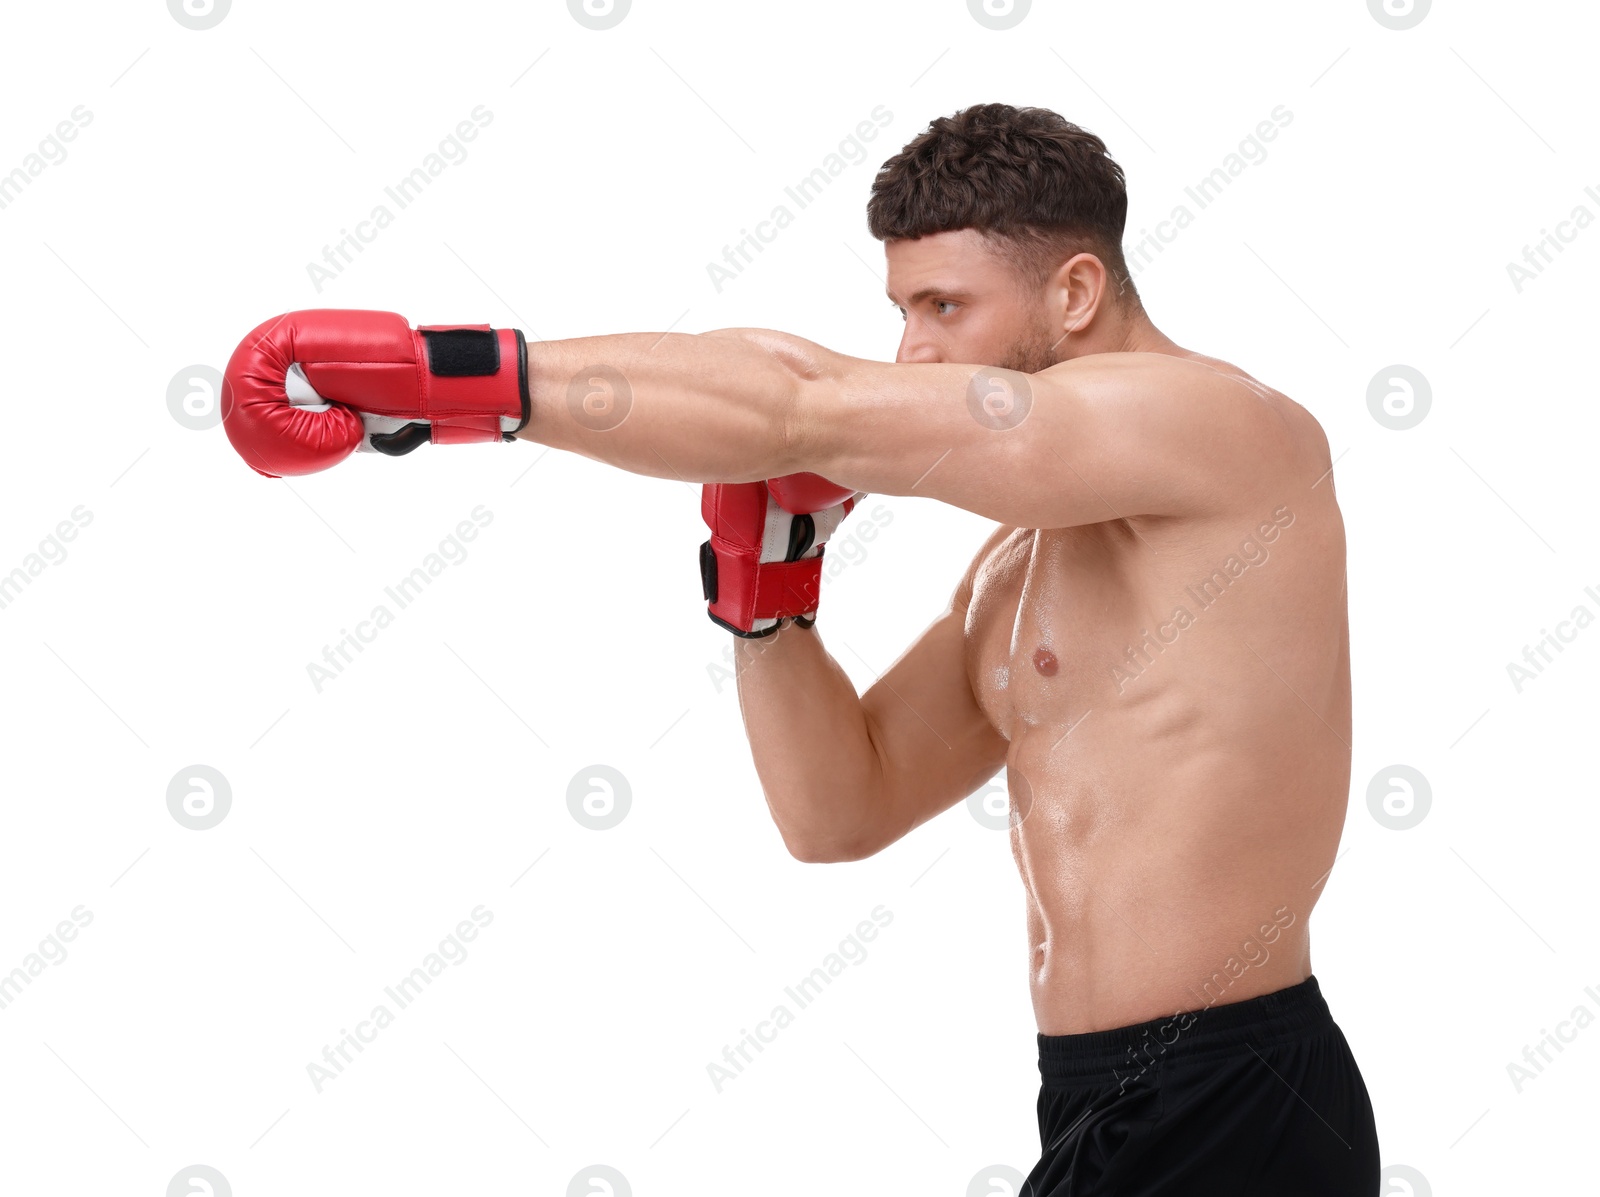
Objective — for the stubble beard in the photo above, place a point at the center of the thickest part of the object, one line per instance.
(1035, 352)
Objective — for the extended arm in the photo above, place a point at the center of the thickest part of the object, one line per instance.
(1095, 438)
(1092, 439)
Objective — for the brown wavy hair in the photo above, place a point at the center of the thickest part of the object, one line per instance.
(1038, 187)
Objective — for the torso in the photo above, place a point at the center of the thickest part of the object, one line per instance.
(1175, 808)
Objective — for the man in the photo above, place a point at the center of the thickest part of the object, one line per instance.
(1153, 641)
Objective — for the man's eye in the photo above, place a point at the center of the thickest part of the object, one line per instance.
(937, 304)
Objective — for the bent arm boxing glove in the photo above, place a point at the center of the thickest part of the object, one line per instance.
(763, 563)
(306, 389)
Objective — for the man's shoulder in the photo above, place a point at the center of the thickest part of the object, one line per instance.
(1165, 374)
(1190, 391)
(1247, 431)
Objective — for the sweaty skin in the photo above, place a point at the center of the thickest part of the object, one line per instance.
(1174, 804)
(1153, 641)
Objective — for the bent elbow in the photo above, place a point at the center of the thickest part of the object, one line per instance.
(831, 851)
(808, 852)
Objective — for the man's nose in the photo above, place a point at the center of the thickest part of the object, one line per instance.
(917, 346)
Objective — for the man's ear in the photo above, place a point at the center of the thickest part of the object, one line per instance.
(1080, 285)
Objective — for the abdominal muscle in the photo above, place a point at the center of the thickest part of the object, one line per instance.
(1138, 905)
(1172, 828)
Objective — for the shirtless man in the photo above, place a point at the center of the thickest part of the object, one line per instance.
(1153, 642)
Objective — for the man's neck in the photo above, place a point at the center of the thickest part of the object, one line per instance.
(1130, 332)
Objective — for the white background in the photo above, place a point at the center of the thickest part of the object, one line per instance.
(368, 819)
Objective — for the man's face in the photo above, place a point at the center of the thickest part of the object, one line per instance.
(962, 303)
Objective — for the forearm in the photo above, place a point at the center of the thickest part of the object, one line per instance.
(812, 744)
(712, 407)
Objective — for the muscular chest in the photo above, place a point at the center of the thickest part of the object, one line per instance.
(1035, 601)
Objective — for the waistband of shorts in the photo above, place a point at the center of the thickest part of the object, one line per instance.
(1258, 1022)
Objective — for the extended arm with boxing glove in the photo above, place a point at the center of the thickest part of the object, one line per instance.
(763, 562)
(306, 389)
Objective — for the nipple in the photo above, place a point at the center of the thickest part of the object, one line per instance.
(1045, 662)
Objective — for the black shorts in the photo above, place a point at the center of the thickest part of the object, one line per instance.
(1256, 1097)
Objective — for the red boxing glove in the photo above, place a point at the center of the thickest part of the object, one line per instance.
(306, 389)
(763, 563)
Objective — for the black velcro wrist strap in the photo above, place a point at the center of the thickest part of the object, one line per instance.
(708, 572)
(462, 352)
